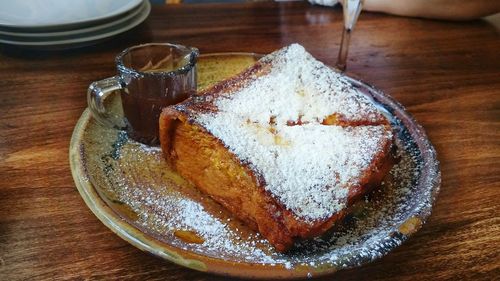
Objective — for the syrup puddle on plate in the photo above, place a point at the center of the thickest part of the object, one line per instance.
(189, 236)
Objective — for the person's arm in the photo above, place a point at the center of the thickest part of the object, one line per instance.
(437, 9)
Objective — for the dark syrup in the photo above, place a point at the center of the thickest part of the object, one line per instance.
(143, 100)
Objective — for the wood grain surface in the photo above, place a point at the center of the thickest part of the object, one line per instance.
(447, 74)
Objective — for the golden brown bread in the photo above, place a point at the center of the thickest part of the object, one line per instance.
(211, 164)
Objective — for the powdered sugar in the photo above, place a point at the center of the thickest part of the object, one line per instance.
(307, 167)
(154, 208)
(298, 85)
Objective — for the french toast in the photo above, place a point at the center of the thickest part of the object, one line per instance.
(287, 146)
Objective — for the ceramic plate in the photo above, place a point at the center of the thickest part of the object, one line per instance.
(60, 14)
(80, 39)
(78, 32)
(131, 190)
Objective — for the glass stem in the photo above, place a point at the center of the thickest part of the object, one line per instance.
(344, 49)
(351, 10)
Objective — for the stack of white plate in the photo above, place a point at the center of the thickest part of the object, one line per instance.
(59, 24)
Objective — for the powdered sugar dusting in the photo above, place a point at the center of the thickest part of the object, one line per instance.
(307, 167)
(154, 208)
(298, 85)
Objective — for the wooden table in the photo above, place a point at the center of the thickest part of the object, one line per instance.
(446, 74)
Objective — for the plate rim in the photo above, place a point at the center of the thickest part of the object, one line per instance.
(204, 263)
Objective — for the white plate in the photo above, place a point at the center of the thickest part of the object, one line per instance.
(58, 14)
(66, 42)
(20, 35)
